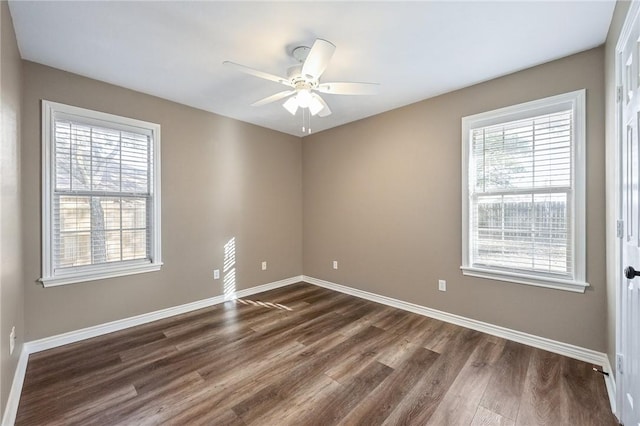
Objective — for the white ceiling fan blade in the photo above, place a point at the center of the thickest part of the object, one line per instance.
(325, 110)
(257, 73)
(318, 59)
(348, 88)
(273, 98)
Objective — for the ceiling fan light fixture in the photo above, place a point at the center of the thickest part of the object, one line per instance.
(303, 82)
(291, 105)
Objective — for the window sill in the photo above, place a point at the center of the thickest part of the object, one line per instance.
(111, 272)
(555, 283)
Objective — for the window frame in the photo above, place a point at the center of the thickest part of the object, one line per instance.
(576, 102)
(51, 277)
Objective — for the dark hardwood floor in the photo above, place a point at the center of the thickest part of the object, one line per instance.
(304, 355)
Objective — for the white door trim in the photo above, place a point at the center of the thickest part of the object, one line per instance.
(627, 28)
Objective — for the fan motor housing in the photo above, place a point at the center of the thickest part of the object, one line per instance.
(294, 74)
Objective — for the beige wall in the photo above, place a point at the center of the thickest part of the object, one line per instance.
(11, 288)
(383, 197)
(220, 179)
(612, 168)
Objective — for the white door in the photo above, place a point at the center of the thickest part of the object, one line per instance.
(629, 345)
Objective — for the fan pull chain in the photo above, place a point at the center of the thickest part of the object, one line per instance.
(307, 128)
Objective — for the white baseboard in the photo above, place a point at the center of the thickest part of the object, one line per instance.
(11, 409)
(610, 383)
(566, 349)
(110, 327)
(39, 345)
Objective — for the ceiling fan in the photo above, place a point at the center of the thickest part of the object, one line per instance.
(303, 81)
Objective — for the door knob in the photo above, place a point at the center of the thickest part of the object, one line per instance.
(630, 273)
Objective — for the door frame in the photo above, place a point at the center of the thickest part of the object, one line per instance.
(617, 237)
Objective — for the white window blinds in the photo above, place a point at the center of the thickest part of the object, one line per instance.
(523, 193)
(102, 190)
(102, 209)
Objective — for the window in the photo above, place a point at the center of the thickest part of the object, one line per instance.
(101, 195)
(523, 193)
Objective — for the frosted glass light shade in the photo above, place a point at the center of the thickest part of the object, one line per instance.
(291, 105)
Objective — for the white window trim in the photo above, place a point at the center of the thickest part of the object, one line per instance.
(576, 101)
(93, 272)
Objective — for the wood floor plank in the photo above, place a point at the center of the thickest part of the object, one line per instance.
(486, 417)
(424, 333)
(585, 399)
(302, 355)
(251, 353)
(397, 352)
(280, 323)
(154, 407)
(239, 382)
(541, 400)
(211, 417)
(258, 369)
(441, 337)
(460, 403)
(77, 371)
(343, 371)
(400, 322)
(51, 414)
(294, 293)
(369, 319)
(336, 406)
(504, 390)
(385, 398)
(303, 404)
(252, 407)
(422, 401)
(171, 367)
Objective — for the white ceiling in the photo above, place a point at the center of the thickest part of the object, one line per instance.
(415, 50)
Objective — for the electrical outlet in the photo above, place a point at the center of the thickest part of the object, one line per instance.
(12, 340)
(442, 285)
(335, 264)
(216, 274)
(264, 265)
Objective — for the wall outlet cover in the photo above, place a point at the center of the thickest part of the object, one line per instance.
(216, 274)
(264, 266)
(442, 285)
(335, 264)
